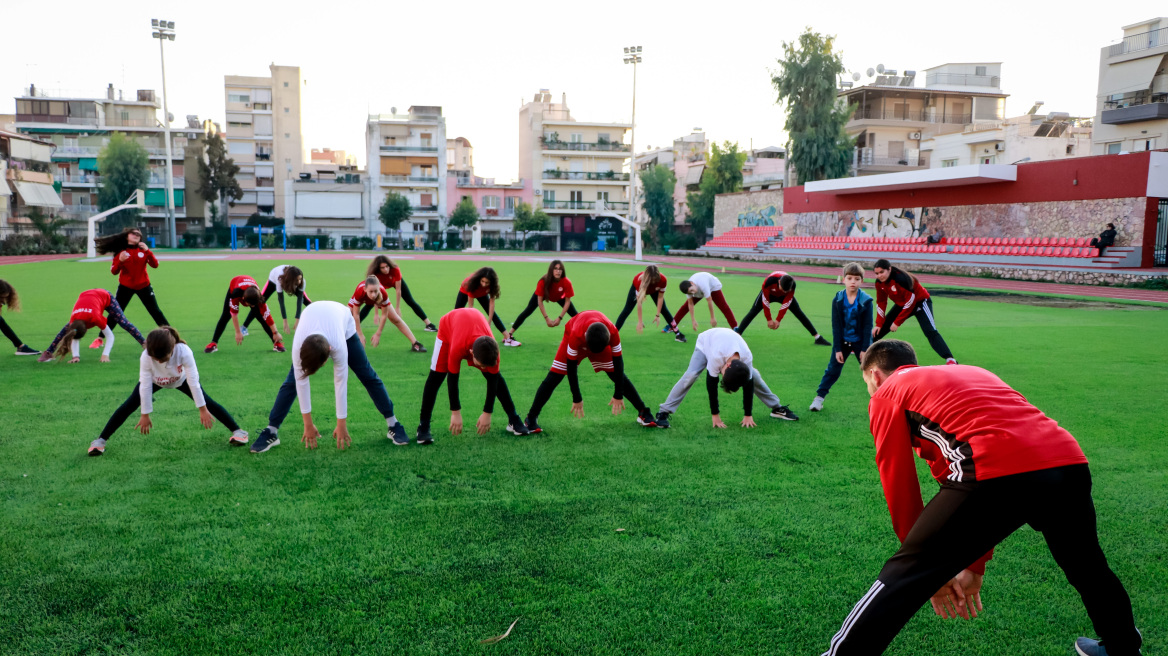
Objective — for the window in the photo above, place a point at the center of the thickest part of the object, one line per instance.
(239, 148)
(490, 202)
(264, 106)
(285, 110)
(390, 141)
(576, 198)
(549, 197)
(238, 98)
(900, 111)
(287, 135)
(604, 137)
(896, 150)
(509, 205)
(979, 70)
(988, 159)
(285, 85)
(1114, 148)
(577, 137)
(948, 163)
(419, 227)
(427, 200)
(1070, 149)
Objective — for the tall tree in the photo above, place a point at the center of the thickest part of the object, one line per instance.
(124, 167)
(658, 184)
(394, 210)
(723, 175)
(528, 219)
(465, 214)
(217, 181)
(818, 143)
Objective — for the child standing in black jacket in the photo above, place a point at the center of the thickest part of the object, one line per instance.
(851, 329)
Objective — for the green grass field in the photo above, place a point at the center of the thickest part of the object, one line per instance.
(733, 541)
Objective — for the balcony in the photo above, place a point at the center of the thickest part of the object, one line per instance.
(78, 211)
(178, 153)
(911, 116)
(409, 149)
(86, 151)
(583, 146)
(51, 118)
(610, 176)
(1152, 107)
(262, 183)
(963, 80)
(590, 205)
(70, 180)
(405, 179)
(424, 208)
(111, 121)
(263, 157)
(160, 181)
(871, 163)
(1136, 42)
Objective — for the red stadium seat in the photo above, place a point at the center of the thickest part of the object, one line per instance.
(1031, 251)
(1093, 252)
(1062, 241)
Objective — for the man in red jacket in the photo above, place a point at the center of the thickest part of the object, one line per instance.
(909, 298)
(244, 291)
(1001, 463)
(778, 293)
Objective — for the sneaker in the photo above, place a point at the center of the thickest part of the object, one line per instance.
(1089, 647)
(45, 356)
(662, 420)
(951, 361)
(430, 328)
(25, 349)
(96, 344)
(645, 418)
(817, 404)
(512, 342)
(418, 348)
(211, 348)
(667, 329)
(243, 331)
(423, 436)
(679, 338)
(279, 347)
(820, 341)
(238, 438)
(97, 447)
(737, 329)
(516, 427)
(783, 412)
(532, 425)
(265, 441)
(397, 435)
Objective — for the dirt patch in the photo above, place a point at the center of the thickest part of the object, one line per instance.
(1028, 299)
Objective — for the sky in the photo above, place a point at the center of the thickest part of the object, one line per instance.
(705, 65)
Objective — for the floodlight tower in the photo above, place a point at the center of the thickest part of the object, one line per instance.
(633, 56)
(163, 30)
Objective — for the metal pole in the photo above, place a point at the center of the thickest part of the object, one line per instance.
(172, 230)
(633, 162)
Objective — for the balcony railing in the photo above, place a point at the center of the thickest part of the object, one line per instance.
(78, 179)
(867, 159)
(585, 205)
(425, 208)
(264, 183)
(79, 211)
(1135, 42)
(409, 149)
(77, 150)
(51, 118)
(160, 180)
(131, 122)
(611, 176)
(161, 152)
(608, 146)
(914, 116)
(1132, 101)
(963, 80)
(263, 157)
(390, 179)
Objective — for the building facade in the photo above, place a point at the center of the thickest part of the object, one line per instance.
(495, 202)
(264, 137)
(406, 155)
(1131, 111)
(25, 181)
(1026, 138)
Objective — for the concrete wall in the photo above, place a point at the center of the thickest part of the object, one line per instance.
(748, 208)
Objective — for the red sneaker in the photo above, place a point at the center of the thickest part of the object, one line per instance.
(97, 343)
(211, 348)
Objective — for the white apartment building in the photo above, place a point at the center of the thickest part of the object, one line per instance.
(1031, 137)
(406, 154)
(1132, 100)
(264, 137)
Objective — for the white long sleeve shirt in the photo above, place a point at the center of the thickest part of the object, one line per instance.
(334, 321)
(719, 345)
(170, 375)
(274, 278)
(706, 283)
(107, 337)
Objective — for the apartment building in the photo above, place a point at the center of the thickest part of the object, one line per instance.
(577, 168)
(892, 116)
(407, 156)
(1032, 137)
(264, 137)
(459, 157)
(25, 181)
(79, 124)
(1131, 111)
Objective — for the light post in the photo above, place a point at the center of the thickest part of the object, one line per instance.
(164, 31)
(633, 56)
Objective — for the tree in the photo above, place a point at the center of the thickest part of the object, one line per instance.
(658, 184)
(394, 210)
(818, 143)
(217, 181)
(125, 168)
(723, 175)
(465, 214)
(48, 226)
(528, 219)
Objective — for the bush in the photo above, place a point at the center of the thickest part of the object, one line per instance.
(39, 245)
(679, 241)
(357, 243)
(1160, 282)
(453, 241)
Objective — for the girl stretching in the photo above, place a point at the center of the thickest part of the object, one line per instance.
(87, 313)
(167, 363)
(9, 299)
(131, 256)
(389, 275)
(554, 287)
(371, 294)
(650, 282)
(285, 279)
(484, 282)
(244, 291)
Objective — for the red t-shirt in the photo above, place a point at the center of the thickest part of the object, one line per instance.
(361, 298)
(132, 273)
(90, 308)
(457, 331)
(967, 424)
(574, 331)
(561, 290)
(905, 292)
(481, 291)
(660, 283)
(772, 294)
(389, 280)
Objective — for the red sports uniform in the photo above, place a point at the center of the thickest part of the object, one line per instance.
(481, 291)
(904, 290)
(573, 346)
(389, 280)
(457, 332)
(772, 294)
(90, 308)
(235, 290)
(132, 273)
(661, 281)
(562, 290)
(968, 425)
(360, 298)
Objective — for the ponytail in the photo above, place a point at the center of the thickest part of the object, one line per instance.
(75, 330)
(161, 341)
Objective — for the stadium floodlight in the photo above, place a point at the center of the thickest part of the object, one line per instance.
(164, 31)
(633, 56)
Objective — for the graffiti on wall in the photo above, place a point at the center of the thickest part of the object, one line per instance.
(900, 222)
(757, 216)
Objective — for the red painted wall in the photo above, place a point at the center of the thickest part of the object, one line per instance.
(1151, 219)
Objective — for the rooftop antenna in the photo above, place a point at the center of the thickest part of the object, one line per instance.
(871, 72)
(855, 77)
(880, 68)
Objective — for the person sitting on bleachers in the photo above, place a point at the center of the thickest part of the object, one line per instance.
(936, 237)
(1105, 239)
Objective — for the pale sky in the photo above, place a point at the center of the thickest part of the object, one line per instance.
(705, 64)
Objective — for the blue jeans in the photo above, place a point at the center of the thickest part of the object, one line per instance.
(358, 363)
(834, 368)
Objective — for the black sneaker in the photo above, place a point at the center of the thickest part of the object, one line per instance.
(423, 436)
(25, 349)
(678, 337)
(517, 427)
(532, 425)
(662, 420)
(820, 341)
(1089, 647)
(783, 412)
(431, 328)
(645, 418)
(265, 441)
(397, 434)
(418, 348)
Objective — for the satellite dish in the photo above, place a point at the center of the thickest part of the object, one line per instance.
(871, 72)
(879, 68)
(393, 110)
(855, 77)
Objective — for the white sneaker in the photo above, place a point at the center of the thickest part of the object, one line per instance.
(512, 342)
(238, 438)
(243, 331)
(817, 404)
(951, 361)
(97, 447)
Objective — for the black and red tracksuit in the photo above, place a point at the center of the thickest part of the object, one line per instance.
(134, 280)
(909, 298)
(773, 298)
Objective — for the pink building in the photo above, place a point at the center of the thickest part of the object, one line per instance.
(495, 201)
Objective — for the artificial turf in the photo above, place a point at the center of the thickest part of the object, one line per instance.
(601, 536)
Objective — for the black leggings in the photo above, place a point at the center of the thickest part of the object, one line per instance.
(146, 294)
(135, 401)
(924, 314)
(553, 380)
(534, 303)
(302, 301)
(10, 334)
(226, 316)
(463, 299)
(793, 308)
(631, 302)
(434, 383)
(963, 522)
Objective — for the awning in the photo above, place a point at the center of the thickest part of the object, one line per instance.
(157, 197)
(1134, 75)
(87, 163)
(953, 176)
(37, 195)
(693, 175)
